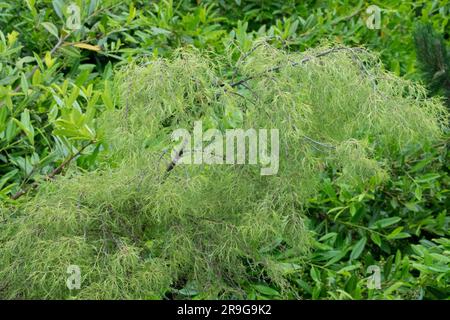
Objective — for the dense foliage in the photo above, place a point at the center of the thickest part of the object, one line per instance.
(58, 78)
(73, 100)
(433, 60)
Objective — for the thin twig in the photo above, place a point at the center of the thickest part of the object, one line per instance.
(52, 174)
(319, 143)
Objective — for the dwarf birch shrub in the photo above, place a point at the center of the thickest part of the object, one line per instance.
(139, 230)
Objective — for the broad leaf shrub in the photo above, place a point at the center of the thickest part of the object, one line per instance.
(49, 98)
(303, 24)
(399, 227)
(138, 230)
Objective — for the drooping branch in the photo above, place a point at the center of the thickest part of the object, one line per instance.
(171, 165)
(296, 63)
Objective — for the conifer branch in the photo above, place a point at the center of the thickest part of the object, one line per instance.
(433, 60)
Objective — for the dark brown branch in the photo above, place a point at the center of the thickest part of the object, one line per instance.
(175, 160)
(52, 174)
(177, 157)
